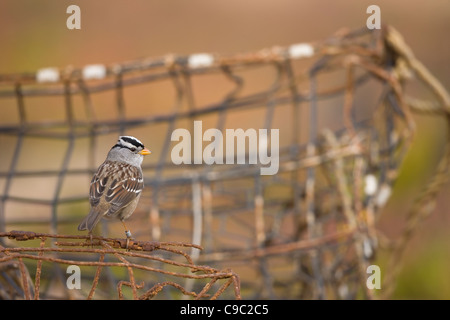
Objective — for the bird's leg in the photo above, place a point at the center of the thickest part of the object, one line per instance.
(91, 239)
(127, 233)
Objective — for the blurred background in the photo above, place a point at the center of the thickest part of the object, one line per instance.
(33, 35)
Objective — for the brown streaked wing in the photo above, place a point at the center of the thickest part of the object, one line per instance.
(121, 192)
(98, 185)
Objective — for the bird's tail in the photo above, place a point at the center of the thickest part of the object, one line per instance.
(90, 221)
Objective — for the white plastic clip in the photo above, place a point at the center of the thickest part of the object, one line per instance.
(383, 195)
(47, 75)
(371, 185)
(200, 60)
(301, 50)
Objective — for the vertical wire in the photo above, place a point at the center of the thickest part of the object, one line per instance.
(59, 273)
(189, 95)
(197, 226)
(259, 188)
(68, 154)
(197, 216)
(154, 212)
(197, 208)
(120, 102)
(310, 184)
(207, 188)
(220, 125)
(91, 120)
(295, 143)
(16, 154)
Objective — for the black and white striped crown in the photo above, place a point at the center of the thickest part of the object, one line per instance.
(129, 142)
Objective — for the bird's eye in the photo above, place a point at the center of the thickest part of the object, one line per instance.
(133, 149)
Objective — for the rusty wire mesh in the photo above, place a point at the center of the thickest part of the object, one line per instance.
(18, 283)
(345, 121)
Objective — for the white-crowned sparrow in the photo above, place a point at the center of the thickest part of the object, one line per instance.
(116, 187)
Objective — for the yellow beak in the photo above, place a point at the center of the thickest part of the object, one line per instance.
(145, 152)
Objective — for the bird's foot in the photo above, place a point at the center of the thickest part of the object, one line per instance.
(90, 240)
(129, 238)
